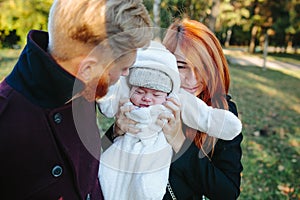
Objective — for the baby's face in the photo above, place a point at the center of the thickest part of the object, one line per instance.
(144, 97)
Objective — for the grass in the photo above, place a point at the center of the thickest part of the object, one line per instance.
(283, 57)
(269, 107)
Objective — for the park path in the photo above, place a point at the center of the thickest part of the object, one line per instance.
(240, 57)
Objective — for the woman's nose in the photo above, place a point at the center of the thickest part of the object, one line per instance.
(191, 78)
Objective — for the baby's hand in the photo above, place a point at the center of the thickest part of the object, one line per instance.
(123, 124)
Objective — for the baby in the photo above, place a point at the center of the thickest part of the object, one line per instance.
(136, 166)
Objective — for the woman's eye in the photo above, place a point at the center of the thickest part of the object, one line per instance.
(181, 64)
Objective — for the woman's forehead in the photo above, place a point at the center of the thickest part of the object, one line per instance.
(179, 54)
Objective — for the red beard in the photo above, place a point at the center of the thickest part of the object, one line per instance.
(96, 88)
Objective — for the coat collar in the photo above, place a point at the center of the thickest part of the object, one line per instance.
(38, 77)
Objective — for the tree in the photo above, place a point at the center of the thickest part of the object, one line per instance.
(212, 18)
(156, 12)
(20, 16)
(156, 16)
(293, 31)
(232, 14)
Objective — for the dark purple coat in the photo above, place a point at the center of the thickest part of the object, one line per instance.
(49, 149)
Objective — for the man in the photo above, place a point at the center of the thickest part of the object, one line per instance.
(49, 140)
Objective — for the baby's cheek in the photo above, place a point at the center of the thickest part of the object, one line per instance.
(134, 99)
(160, 100)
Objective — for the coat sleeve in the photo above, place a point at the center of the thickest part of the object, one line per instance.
(218, 178)
(218, 123)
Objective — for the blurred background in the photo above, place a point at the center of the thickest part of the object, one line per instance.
(261, 40)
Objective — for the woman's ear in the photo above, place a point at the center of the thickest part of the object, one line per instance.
(86, 69)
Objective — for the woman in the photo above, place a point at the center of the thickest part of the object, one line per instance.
(201, 165)
(204, 72)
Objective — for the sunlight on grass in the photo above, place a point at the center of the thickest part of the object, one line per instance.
(295, 73)
(257, 78)
(289, 58)
(291, 101)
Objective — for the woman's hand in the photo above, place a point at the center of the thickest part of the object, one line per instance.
(122, 123)
(171, 124)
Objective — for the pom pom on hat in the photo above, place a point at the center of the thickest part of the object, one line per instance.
(155, 68)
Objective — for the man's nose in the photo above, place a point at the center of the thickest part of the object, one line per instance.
(125, 72)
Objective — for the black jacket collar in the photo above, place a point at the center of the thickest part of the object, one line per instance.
(38, 77)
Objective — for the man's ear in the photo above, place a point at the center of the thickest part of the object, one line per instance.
(86, 69)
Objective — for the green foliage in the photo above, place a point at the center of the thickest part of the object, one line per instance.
(239, 36)
(22, 16)
(17, 17)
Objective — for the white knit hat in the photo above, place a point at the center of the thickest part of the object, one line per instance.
(155, 68)
(150, 78)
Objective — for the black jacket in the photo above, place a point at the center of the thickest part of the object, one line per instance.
(49, 149)
(192, 177)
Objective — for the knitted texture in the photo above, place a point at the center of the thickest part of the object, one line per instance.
(150, 78)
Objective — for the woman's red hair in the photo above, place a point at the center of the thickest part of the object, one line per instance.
(203, 52)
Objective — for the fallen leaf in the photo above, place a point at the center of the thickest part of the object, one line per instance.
(285, 189)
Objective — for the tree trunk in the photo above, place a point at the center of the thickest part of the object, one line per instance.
(228, 37)
(253, 39)
(266, 44)
(215, 9)
(156, 16)
(156, 12)
(289, 47)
